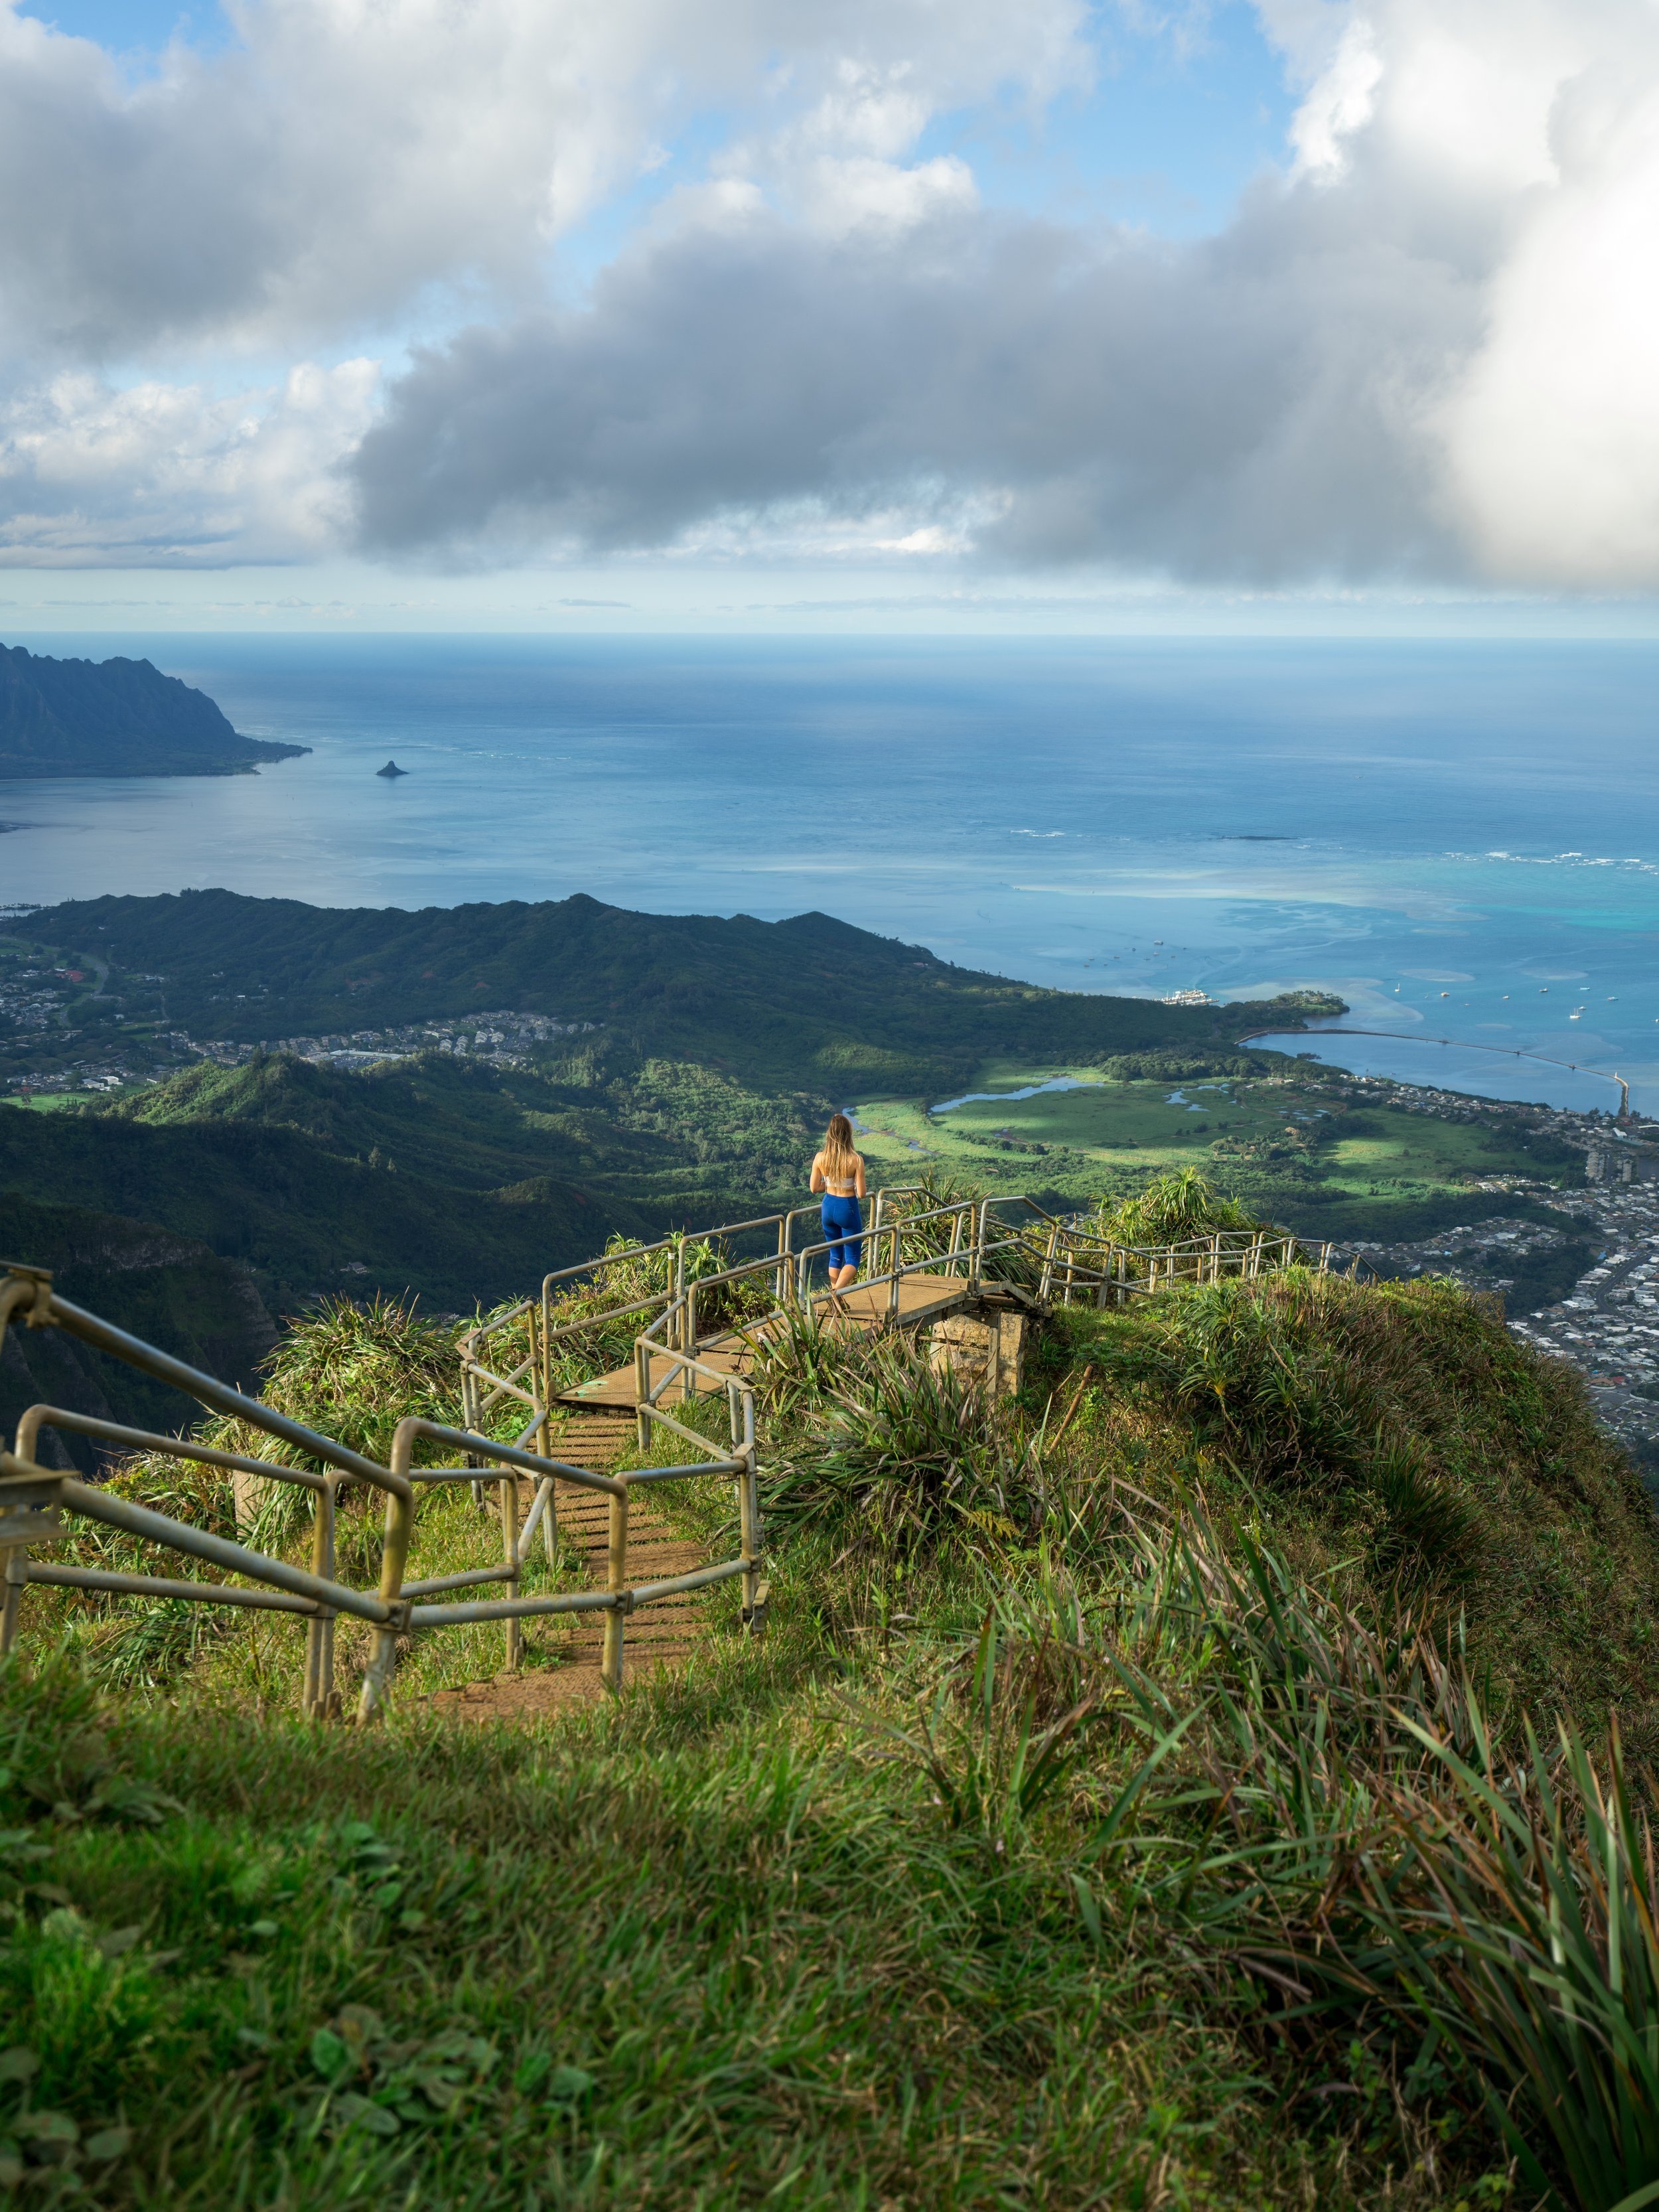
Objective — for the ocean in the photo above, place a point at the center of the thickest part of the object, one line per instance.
(1462, 839)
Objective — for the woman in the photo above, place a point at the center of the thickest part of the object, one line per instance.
(838, 1172)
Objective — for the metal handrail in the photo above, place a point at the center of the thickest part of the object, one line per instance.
(1067, 1260)
(32, 1498)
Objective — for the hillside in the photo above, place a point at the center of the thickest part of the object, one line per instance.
(115, 717)
(807, 1002)
(666, 1135)
(1130, 1774)
(306, 1218)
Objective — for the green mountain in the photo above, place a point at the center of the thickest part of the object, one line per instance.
(304, 1217)
(809, 1001)
(667, 1135)
(715, 1050)
(115, 717)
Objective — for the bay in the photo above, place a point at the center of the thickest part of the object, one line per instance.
(1461, 838)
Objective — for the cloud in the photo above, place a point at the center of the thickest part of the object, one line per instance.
(1428, 352)
(1085, 399)
(346, 163)
(1551, 430)
(1424, 351)
(160, 475)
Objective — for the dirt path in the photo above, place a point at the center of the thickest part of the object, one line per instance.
(656, 1636)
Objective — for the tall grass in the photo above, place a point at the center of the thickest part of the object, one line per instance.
(1326, 1804)
(1170, 1209)
(898, 1454)
(1514, 1911)
(1088, 1832)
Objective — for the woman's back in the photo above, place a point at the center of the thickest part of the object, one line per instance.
(837, 1169)
(838, 1172)
(837, 1176)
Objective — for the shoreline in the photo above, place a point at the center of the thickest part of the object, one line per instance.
(1457, 1044)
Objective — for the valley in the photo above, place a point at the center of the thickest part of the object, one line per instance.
(454, 1156)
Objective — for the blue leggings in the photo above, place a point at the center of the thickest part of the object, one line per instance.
(842, 1222)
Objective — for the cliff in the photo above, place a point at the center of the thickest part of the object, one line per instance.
(115, 717)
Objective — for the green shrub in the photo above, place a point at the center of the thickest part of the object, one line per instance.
(899, 1455)
(1171, 1209)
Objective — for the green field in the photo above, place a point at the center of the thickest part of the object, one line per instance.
(1293, 1144)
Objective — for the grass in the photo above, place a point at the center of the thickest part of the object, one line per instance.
(1132, 1803)
(644, 1967)
(1257, 1131)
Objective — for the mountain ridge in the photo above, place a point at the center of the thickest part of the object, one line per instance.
(116, 717)
(809, 999)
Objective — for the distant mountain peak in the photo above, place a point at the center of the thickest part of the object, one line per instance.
(116, 717)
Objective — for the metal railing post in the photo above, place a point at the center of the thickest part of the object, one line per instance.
(317, 1697)
(641, 1394)
(469, 1420)
(17, 1576)
(610, 1666)
(507, 1488)
(749, 1536)
(542, 1355)
(394, 1558)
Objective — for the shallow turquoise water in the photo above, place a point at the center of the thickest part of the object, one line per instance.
(1462, 839)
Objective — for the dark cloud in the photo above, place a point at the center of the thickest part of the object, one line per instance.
(1242, 408)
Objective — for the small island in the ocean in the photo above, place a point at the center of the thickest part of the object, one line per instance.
(115, 717)
(392, 769)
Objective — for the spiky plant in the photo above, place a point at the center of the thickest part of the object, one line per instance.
(1171, 1209)
(899, 1452)
(799, 1355)
(1513, 1911)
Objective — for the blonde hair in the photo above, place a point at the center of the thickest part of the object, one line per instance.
(840, 1160)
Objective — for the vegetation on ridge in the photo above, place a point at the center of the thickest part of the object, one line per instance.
(1130, 1804)
(117, 717)
(811, 1000)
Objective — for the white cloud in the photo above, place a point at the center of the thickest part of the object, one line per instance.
(1429, 351)
(161, 475)
(1341, 102)
(1551, 431)
(351, 155)
(842, 165)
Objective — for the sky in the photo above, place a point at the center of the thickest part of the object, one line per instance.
(858, 314)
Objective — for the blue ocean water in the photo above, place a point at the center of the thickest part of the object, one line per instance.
(1461, 838)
